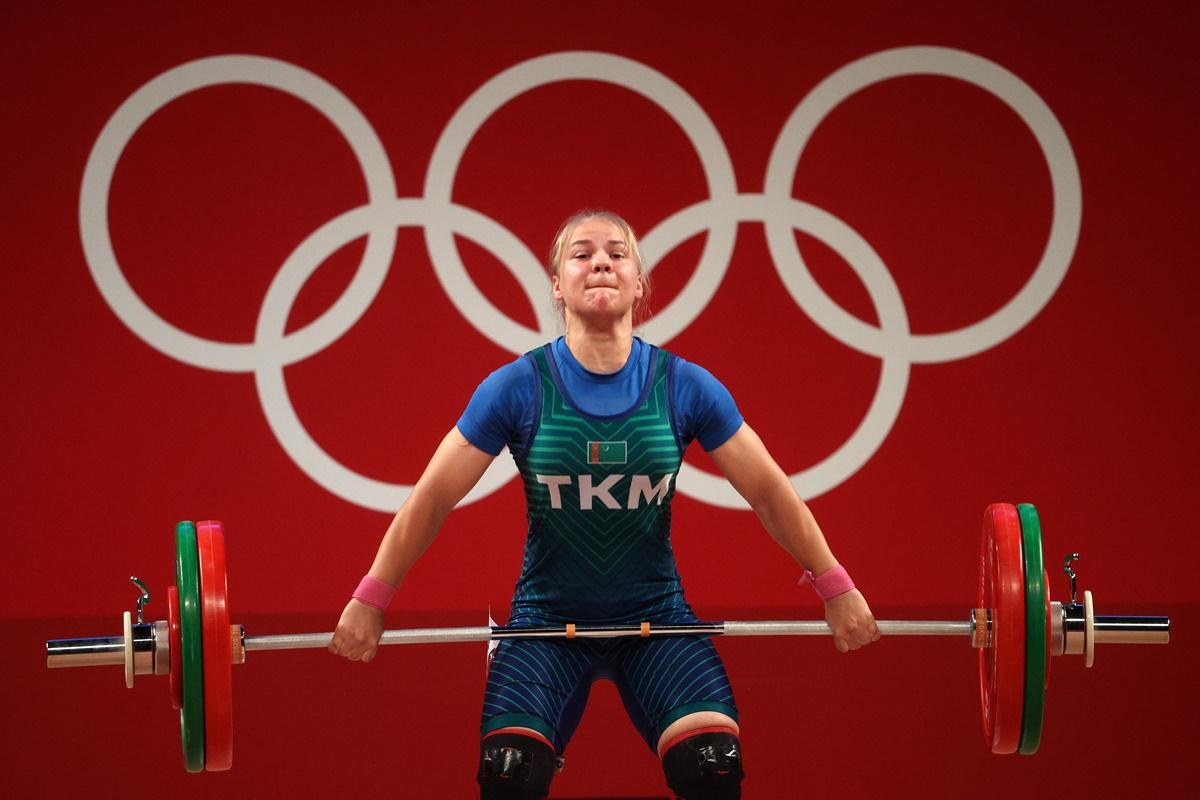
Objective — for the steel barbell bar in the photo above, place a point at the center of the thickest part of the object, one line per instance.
(1016, 628)
(110, 650)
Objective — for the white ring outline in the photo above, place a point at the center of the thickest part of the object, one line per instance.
(581, 65)
(893, 379)
(269, 336)
(1051, 138)
(115, 137)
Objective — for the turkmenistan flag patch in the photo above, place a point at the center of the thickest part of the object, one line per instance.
(607, 452)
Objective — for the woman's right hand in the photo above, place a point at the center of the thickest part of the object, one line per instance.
(358, 632)
(851, 621)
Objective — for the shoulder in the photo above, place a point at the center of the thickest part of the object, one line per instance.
(516, 374)
(704, 409)
(499, 409)
(691, 377)
(506, 391)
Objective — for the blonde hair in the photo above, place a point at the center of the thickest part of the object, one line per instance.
(641, 306)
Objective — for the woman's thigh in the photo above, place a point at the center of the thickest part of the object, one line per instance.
(665, 680)
(531, 683)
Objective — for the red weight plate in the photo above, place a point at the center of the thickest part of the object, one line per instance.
(176, 646)
(218, 660)
(1002, 590)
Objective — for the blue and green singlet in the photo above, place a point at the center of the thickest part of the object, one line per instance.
(598, 455)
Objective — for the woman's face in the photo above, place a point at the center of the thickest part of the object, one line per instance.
(597, 277)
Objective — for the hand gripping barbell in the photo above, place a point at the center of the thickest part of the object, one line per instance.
(1015, 627)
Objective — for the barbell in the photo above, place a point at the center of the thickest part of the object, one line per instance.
(1015, 626)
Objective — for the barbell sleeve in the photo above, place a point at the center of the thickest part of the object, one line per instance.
(1132, 630)
(94, 651)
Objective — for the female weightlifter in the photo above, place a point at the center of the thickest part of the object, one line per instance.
(597, 422)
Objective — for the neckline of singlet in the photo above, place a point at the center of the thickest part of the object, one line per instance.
(635, 353)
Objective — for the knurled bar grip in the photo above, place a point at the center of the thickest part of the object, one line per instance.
(890, 627)
(298, 641)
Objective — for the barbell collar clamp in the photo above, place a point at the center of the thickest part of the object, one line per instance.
(162, 647)
(143, 596)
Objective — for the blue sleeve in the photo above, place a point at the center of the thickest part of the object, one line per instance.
(500, 412)
(704, 409)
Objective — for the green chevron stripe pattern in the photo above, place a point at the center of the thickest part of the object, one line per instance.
(598, 494)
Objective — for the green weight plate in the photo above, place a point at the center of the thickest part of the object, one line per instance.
(1035, 629)
(187, 578)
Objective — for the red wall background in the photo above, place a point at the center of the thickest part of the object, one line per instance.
(1084, 410)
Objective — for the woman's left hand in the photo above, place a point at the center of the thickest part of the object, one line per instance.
(851, 620)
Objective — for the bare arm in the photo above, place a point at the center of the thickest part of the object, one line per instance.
(749, 467)
(456, 466)
(751, 470)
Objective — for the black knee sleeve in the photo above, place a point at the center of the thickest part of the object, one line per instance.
(705, 766)
(513, 766)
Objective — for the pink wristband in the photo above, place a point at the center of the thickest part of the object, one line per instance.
(375, 592)
(829, 584)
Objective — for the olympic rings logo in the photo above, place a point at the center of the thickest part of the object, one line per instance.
(273, 349)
